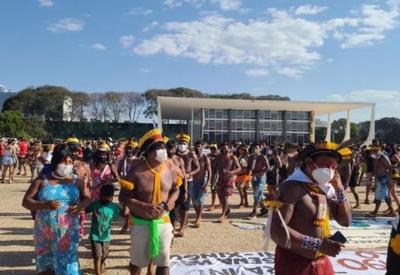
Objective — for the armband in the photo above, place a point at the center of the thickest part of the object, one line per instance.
(126, 184)
(341, 196)
(311, 243)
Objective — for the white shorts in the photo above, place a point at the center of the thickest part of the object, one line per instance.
(140, 245)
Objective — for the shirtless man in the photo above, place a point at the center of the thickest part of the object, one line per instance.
(382, 172)
(128, 159)
(257, 166)
(214, 175)
(292, 159)
(201, 181)
(178, 162)
(227, 168)
(302, 237)
(191, 168)
(154, 194)
(243, 179)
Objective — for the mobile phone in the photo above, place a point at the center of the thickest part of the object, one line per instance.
(338, 237)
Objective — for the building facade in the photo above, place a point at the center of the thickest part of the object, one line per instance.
(256, 125)
(219, 120)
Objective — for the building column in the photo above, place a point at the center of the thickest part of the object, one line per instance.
(257, 126)
(229, 125)
(312, 127)
(329, 129)
(371, 134)
(191, 126)
(284, 125)
(202, 124)
(348, 127)
(159, 118)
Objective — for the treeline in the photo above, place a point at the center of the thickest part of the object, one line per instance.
(46, 102)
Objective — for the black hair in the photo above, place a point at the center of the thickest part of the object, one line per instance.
(153, 147)
(199, 142)
(170, 144)
(107, 190)
(60, 153)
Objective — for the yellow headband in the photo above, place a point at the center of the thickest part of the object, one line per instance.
(183, 137)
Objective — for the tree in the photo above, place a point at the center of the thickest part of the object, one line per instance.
(80, 100)
(116, 104)
(44, 101)
(94, 106)
(35, 127)
(12, 124)
(134, 103)
(103, 104)
(338, 129)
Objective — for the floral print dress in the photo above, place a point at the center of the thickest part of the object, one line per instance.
(56, 233)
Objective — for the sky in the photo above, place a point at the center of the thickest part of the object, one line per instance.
(307, 50)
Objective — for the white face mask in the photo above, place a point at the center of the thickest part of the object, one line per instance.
(65, 170)
(291, 155)
(323, 176)
(373, 156)
(182, 147)
(270, 152)
(161, 155)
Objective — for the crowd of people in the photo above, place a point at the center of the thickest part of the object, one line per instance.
(160, 179)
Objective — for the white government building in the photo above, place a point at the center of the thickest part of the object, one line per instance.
(217, 120)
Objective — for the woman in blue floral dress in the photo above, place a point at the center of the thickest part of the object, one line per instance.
(61, 196)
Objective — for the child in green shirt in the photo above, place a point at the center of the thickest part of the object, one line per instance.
(103, 213)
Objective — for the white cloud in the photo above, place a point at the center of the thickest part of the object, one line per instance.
(139, 11)
(173, 3)
(225, 5)
(228, 5)
(309, 9)
(144, 70)
(66, 24)
(387, 101)
(371, 23)
(152, 25)
(99, 46)
(126, 40)
(256, 72)
(282, 42)
(46, 3)
(290, 71)
(220, 40)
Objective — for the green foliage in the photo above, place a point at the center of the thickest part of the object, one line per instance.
(44, 101)
(12, 124)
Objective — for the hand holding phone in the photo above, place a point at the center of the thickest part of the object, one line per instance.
(338, 237)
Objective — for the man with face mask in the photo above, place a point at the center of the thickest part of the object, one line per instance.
(154, 194)
(201, 181)
(103, 170)
(123, 167)
(306, 201)
(191, 168)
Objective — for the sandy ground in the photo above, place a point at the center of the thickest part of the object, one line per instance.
(16, 244)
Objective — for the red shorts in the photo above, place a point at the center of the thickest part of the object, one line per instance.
(289, 263)
(225, 189)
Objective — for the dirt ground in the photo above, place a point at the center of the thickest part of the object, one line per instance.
(16, 242)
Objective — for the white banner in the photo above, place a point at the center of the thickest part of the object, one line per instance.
(243, 263)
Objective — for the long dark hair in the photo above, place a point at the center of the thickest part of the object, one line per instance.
(60, 153)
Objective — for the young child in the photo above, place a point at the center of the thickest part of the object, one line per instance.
(103, 212)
